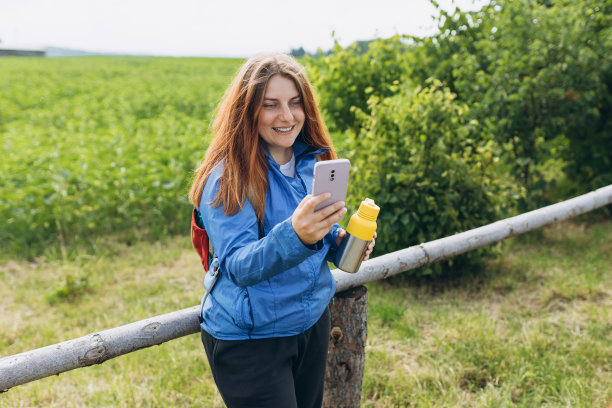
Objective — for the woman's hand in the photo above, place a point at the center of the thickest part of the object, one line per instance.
(369, 249)
(311, 226)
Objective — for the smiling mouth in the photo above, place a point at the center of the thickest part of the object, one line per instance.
(284, 130)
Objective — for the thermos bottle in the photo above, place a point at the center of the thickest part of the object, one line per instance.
(359, 232)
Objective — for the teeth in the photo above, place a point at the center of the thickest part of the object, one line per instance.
(284, 129)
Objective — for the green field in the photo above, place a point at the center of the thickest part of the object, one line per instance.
(92, 146)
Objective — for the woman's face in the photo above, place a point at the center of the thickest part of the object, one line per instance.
(281, 117)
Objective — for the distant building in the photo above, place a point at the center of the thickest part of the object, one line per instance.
(21, 52)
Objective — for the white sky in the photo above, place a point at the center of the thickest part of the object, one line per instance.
(237, 28)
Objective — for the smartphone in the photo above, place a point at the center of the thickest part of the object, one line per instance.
(331, 176)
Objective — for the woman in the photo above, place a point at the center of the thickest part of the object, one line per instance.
(265, 326)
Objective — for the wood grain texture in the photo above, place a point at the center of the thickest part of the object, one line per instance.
(346, 358)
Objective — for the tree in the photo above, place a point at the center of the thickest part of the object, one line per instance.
(297, 52)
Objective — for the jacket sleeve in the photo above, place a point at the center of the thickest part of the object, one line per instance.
(244, 258)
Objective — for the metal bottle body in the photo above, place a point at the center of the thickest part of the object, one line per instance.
(350, 253)
(359, 233)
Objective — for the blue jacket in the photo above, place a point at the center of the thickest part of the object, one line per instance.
(274, 286)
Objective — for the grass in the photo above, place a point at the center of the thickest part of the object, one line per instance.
(531, 328)
(124, 284)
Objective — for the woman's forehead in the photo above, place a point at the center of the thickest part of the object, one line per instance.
(281, 87)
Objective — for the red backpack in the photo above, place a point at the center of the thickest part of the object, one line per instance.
(199, 238)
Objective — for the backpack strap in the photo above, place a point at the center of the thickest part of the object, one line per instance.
(215, 274)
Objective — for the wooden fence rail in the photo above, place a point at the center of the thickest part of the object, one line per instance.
(95, 348)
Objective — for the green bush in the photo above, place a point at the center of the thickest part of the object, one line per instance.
(538, 74)
(419, 157)
(349, 76)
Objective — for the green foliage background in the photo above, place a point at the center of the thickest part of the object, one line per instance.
(506, 109)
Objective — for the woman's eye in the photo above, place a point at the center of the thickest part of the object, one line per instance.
(296, 103)
(267, 105)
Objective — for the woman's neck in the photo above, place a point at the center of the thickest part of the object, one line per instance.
(281, 155)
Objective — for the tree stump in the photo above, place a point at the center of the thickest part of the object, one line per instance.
(346, 358)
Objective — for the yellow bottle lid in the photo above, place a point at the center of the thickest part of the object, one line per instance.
(362, 224)
(368, 210)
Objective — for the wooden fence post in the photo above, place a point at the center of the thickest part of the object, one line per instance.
(346, 359)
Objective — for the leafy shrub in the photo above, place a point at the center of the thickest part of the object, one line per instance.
(538, 74)
(348, 76)
(418, 157)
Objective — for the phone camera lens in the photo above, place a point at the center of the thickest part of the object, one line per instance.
(333, 171)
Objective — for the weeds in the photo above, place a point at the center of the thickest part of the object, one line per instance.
(69, 289)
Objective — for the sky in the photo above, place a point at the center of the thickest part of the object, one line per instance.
(231, 28)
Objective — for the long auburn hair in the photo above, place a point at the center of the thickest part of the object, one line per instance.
(236, 143)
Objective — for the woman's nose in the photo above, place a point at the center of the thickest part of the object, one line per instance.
(286, 113)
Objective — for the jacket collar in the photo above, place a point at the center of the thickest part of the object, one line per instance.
(300, 149)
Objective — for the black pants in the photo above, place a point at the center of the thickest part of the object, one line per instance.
(274, 372)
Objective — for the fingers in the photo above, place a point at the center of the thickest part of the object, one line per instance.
(370, 248)
(340, 236)
(311, 226)
(304, 200)
(310, 202)
(328, 216)
(325, 217)
(330, 209)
